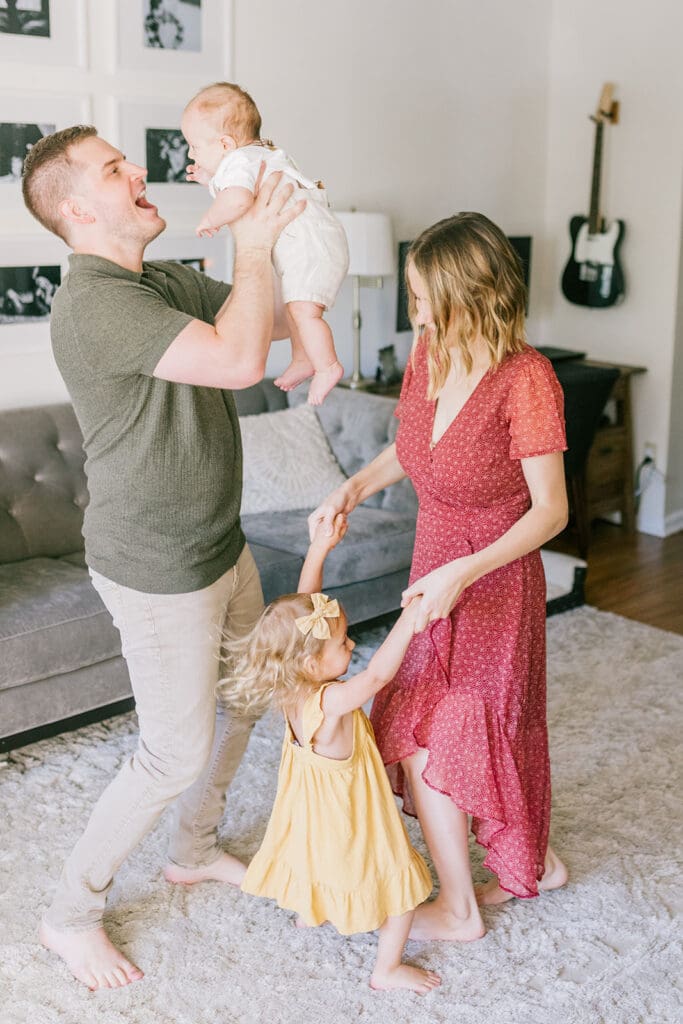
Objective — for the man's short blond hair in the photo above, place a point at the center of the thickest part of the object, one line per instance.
(48, 175)
(234, 110)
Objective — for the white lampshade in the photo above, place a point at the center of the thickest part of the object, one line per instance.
(371, 244)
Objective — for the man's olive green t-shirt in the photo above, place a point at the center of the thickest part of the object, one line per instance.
(163, 460)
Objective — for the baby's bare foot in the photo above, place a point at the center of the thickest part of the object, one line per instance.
(225, 869)
(296, 373)
(323, 382)
(91, 957)
(490, 894)
(432, 921)
(404, 976)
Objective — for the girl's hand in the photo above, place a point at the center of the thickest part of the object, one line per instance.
(325, 515)
(194, 172)
(439, 590)
(323, 541)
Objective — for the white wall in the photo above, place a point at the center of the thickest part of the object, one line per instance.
(414, 110)
(638, 47)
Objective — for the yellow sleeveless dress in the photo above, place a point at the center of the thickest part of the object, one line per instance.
(335, 848)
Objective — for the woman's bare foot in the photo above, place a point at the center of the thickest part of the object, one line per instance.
(296, 373)
(91, 957)
(323, 382)
(225, 869)
(555, 875)
(404, 976)
(432, 921)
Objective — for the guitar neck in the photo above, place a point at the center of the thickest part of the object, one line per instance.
(594, 220)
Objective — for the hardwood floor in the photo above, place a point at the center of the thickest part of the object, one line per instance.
(635, 575)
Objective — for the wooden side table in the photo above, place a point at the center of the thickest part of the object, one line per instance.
(609, 483)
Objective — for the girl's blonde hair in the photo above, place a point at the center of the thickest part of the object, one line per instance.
(473, 280)
(267, 666)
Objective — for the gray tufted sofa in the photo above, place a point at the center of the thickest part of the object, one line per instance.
(60, 660)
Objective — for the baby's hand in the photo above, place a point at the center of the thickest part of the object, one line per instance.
(324, 541)
(196, 173)
(205, 229)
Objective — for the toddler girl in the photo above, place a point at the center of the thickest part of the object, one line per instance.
(335, 848)
(222, 126)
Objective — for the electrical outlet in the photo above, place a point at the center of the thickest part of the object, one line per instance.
(650, 451)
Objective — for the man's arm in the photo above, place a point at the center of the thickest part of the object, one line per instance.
(232, 353)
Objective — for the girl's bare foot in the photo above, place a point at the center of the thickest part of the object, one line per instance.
(323, 382)
(433, 921)
(404, 976)
(91, 957)
(490, 894)
(296, 373)
(225, 869)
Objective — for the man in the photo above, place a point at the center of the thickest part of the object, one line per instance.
(146, 351)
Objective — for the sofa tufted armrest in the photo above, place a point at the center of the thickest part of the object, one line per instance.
(359, 426)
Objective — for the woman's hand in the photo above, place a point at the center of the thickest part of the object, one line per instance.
(323, 518)
(323, 541)
(439, 590)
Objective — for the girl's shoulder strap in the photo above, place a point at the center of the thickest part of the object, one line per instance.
(312, 715)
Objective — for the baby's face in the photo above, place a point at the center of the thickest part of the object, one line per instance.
(207, 147)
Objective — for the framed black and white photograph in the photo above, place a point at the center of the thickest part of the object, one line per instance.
(43, 32)
(212, 256)
(16, 139)
(24, 119)
(31, 270)
(166, 155)
(26, 293)
(176, 36)
(25, 17)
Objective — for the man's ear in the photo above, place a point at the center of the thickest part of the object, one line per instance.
(72, 210)
(228, 142)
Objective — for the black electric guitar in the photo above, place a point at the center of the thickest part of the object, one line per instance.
(593, 275)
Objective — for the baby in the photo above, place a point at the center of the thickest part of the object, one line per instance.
(222, 126)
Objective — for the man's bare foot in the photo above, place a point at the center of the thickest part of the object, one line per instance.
(91, 957)
(404, 976)
(490, 894)
(296, 373)
(323, 382)
(225, 869)
(432, 921)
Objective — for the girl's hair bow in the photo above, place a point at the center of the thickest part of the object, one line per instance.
(323, 609)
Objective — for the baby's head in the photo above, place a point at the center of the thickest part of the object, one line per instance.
(298, 643)
(220, 118)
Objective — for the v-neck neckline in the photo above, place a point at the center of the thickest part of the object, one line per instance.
(435, 403)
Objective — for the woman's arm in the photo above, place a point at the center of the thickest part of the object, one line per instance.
(340, 698)
(545, 518)
(384, 470)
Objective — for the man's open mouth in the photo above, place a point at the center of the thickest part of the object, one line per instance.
(142, 202)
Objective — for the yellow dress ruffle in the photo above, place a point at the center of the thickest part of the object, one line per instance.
(335, 848)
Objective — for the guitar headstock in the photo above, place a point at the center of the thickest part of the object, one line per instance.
(608, 108)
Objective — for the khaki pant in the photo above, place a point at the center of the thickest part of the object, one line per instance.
(187, 744)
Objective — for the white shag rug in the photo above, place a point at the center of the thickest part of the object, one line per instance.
(604, 950)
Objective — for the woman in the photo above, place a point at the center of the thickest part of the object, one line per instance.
(462, 728)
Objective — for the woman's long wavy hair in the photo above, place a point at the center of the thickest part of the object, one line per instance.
(267, 666)
(473, 279)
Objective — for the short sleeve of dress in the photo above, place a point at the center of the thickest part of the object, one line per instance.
(235, 171)
(535, 411)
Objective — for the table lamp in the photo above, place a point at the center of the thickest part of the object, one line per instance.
(371, 258)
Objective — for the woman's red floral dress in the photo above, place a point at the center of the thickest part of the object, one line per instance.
(472, 687)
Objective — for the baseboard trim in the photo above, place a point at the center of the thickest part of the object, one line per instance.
(673, 523)
(43, 732)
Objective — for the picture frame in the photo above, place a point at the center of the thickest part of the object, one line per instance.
(24, 118)
(216, 253)
(150, 135)
(192, 37)
(31, 269)
(43, 32)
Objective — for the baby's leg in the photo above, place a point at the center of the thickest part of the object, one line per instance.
(389, 971)
(316, 338)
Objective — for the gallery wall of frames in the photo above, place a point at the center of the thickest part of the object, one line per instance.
(128, 67)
